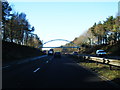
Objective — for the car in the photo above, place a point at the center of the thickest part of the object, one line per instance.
(66, 53)
(50, 52)
(75, 53)
(101, 53)
(44, 52)
(57, 54)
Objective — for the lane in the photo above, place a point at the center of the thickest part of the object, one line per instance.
(52, 73)
(14, 76)
(64, 73)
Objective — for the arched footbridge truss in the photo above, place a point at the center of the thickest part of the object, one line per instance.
(74, 45)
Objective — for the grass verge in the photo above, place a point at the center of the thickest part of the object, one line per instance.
(103, 70)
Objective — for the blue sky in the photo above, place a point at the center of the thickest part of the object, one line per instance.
(64, 20)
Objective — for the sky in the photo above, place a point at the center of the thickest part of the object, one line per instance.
(64, 20)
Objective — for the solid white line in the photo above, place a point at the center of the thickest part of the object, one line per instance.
(6, 66)
(36, 70)
(33, 59)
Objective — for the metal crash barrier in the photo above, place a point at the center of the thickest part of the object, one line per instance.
(110, 62)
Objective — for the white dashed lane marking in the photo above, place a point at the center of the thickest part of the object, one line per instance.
(36, 70)
(47, 61)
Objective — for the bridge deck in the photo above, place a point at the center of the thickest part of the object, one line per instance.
(60, 47)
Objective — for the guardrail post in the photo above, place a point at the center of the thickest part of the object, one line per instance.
(110, 66)
(103, 61)
(83, 57)
(88, 58)
(96, 63)
(108, 61)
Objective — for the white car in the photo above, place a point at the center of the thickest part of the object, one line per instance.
(75, 53)
(101, 53)
(50, 52)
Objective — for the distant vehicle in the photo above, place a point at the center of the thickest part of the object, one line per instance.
(44, 51)
(57, 54)
(75, 53)
(101, 53)
(51, 52)
(66, 53)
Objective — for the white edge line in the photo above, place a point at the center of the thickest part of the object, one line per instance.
(23, 62)
(6, 66)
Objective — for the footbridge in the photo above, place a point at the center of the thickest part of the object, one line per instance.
(74, 45)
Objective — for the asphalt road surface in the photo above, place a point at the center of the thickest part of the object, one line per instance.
(50, 72)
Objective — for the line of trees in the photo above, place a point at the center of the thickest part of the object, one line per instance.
(16, 28)
(100, 33)
(107, 32)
